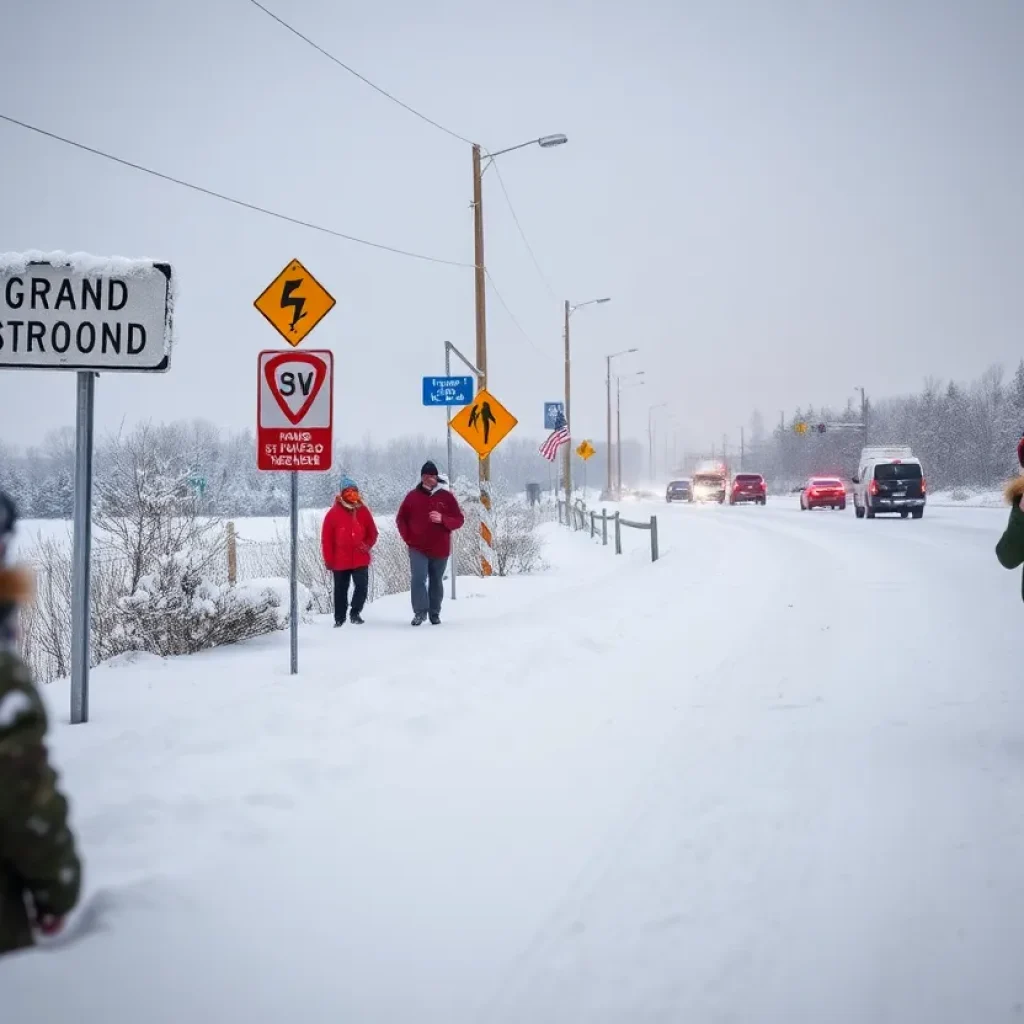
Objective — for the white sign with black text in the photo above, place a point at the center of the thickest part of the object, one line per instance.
(61, 312)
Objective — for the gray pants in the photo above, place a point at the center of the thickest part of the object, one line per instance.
(427, 582)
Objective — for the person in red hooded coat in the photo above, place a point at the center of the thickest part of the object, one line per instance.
(347, 538)
(426, 520)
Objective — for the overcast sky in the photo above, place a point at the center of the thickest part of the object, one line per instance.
(785, 200)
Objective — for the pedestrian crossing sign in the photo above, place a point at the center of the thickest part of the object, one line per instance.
(484, 423)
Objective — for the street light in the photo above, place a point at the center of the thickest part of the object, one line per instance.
(608, 389)
(618, 423)
(569, 310)
(650, 437)
(480, 282)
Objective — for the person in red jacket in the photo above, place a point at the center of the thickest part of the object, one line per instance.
(426, 520)
(347, 537)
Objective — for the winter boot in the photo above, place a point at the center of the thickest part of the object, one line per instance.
(356, 619)
(339, 623)
(418, 619)
(435, 619)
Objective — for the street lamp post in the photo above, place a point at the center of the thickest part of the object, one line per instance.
(480, 282)
(863, 412)
(618, 424)
(650, 438)
(608, 388)
(569, 310)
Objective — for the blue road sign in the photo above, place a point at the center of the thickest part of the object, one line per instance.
(551, 413)
(447, 390)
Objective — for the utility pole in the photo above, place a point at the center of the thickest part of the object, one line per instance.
(608, 389)
(650, 444)
(608, 385)
(863, 413)
(618, 436)
(567, 465)
(652, 451)
(480, 281)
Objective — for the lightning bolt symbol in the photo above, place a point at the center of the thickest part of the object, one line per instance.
(293, 302)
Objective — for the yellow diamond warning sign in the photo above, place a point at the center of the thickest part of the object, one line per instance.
(484, 423)
(295, 303)
(585, 450)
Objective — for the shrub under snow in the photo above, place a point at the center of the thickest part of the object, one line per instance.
(176, 610)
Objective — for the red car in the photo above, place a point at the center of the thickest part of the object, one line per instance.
(748, 487)
(823, 492)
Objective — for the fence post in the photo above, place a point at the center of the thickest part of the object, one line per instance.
(604, 527)
(593, 523)
(654, 538)
(232, 553)
(618, 535)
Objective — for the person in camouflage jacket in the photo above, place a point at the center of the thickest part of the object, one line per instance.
(40, 873)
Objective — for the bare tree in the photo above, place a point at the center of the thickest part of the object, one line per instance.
(147, 507)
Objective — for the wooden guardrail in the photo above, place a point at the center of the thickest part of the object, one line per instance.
(576, 517)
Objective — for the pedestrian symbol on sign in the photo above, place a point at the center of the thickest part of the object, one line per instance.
(483, 424)
(481, 414)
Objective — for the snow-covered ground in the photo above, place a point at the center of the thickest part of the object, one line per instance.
(775, 777)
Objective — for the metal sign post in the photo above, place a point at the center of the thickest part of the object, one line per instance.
(294, 580)
(295, 433)
(449, 348)
(90, 315)
(451, 481)
(80, 574)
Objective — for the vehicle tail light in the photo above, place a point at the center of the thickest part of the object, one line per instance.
(873, 487)
(812, 492)
(924, 485)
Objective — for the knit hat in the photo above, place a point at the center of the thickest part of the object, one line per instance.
(429, 469)
(346, 483)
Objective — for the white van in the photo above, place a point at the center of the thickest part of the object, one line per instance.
(889, 480)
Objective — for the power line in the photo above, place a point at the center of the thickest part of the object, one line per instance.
(512, 317)
(230, 199)
(522, 234)
(362, 78)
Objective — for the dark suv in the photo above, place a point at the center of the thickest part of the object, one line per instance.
(679, 490)
(894, 485)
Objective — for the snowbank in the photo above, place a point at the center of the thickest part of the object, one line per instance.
(611, 793)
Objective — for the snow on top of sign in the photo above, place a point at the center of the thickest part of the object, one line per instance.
(80, 262)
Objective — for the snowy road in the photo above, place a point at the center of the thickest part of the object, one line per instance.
(777, 777)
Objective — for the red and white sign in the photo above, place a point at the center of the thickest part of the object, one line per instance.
(295, 410)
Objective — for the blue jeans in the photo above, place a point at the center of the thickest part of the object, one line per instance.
(427, 582)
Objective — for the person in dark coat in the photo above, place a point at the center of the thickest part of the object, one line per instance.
(1010, 549)
(347, 538)
(428, 516)
(40, 873)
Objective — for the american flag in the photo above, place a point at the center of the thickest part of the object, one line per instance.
(559, 436)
